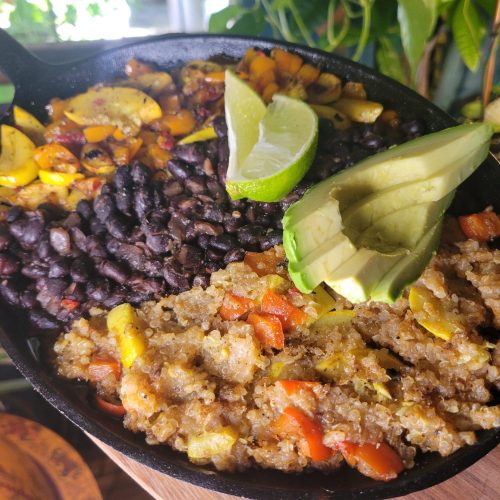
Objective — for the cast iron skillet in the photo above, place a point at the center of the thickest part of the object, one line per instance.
(37, 82)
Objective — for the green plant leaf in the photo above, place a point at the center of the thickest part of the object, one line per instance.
(250, 23)
(417, 20)
(389, 60)
(94, 9)
(70, 15)
(468, 32)
(218, 22)
(488, 6)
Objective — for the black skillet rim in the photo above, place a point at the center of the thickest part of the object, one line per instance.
(407, 482)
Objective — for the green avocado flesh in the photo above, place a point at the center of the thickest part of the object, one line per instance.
(370, 230)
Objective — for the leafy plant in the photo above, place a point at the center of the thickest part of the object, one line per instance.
(408, 36)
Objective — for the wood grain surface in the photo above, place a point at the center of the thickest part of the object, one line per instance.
(481, 481)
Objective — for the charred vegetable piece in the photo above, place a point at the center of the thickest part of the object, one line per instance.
(29, 125)
(96, 159)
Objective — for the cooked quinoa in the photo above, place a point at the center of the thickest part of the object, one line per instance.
(200, 374)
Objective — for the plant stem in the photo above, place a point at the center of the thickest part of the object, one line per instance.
(365, 30)
(300, 23)
(330, 24)
(489, 69)
(285, 29)
(272, 19)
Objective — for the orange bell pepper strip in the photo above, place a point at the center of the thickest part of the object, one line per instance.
(113, 409)
(483, 226)
(295, 386)
(378, 461)
(262, 263)
(181, 123)
(289, 315)
(215, 77)
(268, 329)
(100, 368)
(234, 307)
(56, 158)
(296, 423)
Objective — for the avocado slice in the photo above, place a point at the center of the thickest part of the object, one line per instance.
(409, 268)
(382, 246)
(383, 208)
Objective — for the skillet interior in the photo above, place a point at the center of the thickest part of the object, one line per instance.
(36, 83)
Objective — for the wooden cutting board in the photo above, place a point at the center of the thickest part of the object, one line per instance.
(481, 481)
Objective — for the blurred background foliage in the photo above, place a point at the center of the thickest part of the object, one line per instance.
(445, 49)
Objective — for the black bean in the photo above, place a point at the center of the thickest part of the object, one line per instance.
(104, 207)
(214, 255)
(224, 242)
(208, 167)
(141, 174)
(372, 141)
(99, 290)
(289, 199)
(124, 201)
(184, 203)
(42, 320)
(54, 286)
(264, 220)
(60, 240)
(80, 272)
(220, 126)
(174, 277)
(223, 152)
(210, 228)
(9, 292)
(5, 237)
(158, 198)
(196, 184)
(143, 201)
(177, 229)
(72, 220)
(149, 288)
(118, 227)
(112, 245)
(216, 190)
(122, 178)
(193, 154)
(75, 291)
(95, 247)
(158, 243)
(234, 255)
(271, 239)
(172, 188)
(153, 268)
(136, 235)
(189, 257)
(59, 268)
(250, 235)
(212, 213)
(412, 129)
(107, 189)
(44, 249)
(84, 208)
(97, 227)
(50, 212)
(278, 223)
(269, 208)
(79, 239)
(212, 266)
(179, 169)
(27, 231)
(117, 297)
(203, 241)
(27, 299)
(34, 271)
(233, 221)
(113, 270)
(13, 214)
(155, 221)
(8, 264)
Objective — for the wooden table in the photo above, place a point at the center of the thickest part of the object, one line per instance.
(481, 481)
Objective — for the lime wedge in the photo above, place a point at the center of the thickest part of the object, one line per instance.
(270, 150)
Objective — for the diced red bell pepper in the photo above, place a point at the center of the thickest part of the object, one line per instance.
(295, 422)
(262, 263)
(289, 315)
(483, 226)
(268, 329)
(294, 386)
(234, 307)
(69, 304)
(378, 461)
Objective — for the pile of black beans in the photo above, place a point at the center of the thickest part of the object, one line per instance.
(147, 235)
